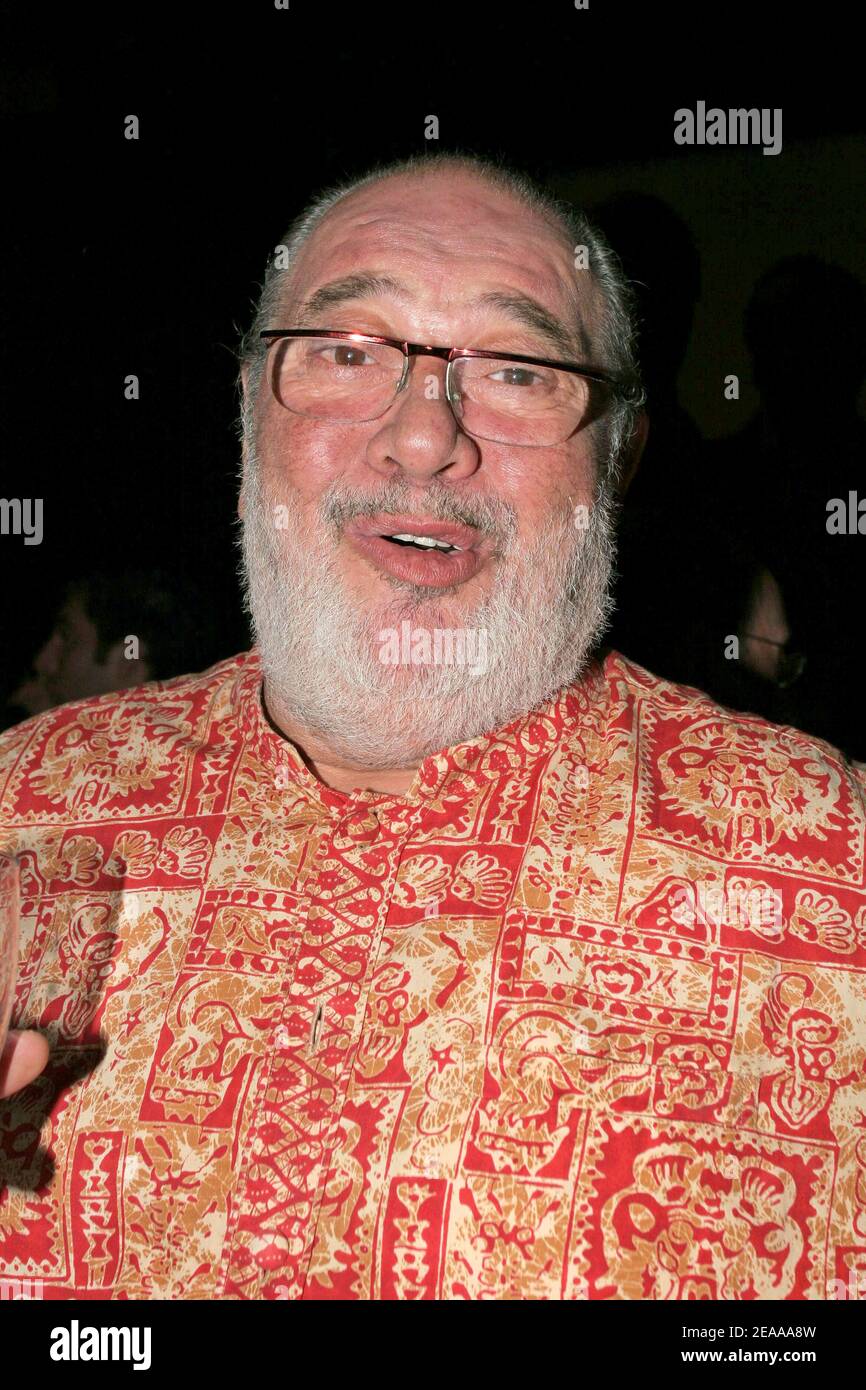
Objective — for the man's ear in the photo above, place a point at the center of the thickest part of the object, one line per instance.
(635, 450)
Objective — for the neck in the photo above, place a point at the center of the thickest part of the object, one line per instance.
(333, 772)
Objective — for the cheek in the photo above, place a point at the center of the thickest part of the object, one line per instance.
(543, 483)
(306, 454)
(77, 659)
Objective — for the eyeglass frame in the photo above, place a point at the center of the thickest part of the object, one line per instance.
(448, 355)
(790, 657)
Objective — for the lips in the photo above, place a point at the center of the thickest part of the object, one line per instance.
(395, 524)
(436, 568)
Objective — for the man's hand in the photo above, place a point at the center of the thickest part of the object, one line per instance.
(24, 1057)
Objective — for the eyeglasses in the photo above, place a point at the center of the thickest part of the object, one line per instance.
(499, 396)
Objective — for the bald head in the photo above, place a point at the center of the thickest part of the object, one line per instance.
(465, 246)
(461, 206)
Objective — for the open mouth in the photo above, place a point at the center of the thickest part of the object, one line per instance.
(423, 543)
(419, 551)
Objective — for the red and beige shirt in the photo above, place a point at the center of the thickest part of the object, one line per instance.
(580, 1016)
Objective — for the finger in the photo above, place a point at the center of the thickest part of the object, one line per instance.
(24, 1057)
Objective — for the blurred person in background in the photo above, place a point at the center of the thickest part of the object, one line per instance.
(114, 631)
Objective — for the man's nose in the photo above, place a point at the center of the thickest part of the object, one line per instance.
(419, 434)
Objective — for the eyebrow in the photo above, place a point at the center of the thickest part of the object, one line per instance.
(522, 308)
(530, 314)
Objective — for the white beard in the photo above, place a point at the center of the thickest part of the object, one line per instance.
(321, 651)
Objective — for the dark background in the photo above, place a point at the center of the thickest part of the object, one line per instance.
(144, 257)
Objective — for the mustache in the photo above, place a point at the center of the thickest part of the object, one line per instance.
(340, 505)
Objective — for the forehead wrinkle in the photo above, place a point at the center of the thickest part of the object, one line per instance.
(352, 235)
(384, 230)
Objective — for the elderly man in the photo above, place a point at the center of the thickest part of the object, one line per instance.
(428, 950)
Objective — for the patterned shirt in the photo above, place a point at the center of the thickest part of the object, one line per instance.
(582, 1015)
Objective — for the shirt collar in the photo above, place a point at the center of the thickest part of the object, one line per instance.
(509, 751)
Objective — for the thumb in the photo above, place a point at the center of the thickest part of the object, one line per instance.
(23, 1058)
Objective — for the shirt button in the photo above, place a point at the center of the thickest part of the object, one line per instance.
(363, 827)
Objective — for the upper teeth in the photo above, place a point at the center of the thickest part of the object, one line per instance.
(426, 540)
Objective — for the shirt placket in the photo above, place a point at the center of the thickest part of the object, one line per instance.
(270, 1239)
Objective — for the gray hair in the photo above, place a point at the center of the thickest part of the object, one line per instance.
(614, 347)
